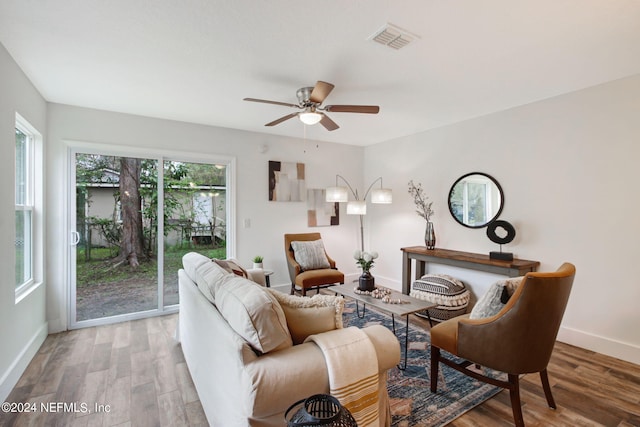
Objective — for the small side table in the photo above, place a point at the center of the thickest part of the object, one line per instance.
(267, 274)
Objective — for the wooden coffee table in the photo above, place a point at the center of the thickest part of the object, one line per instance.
(409, 306)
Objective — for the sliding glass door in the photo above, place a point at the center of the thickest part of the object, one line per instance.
(133, 220)
(195, 217)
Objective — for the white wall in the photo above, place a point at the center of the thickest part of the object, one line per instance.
(269, 220)
(23, 326)
(568, 167)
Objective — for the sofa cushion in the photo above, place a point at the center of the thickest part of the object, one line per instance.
(495, 298)
(232, 267)
(310, 254)
(308, 316)
(253, 313)
(191, 261)
(203, 272)
(208, 278)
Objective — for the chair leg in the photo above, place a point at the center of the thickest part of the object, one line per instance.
(293, 288)
(514, 392)
(435, 362)
(304, 291)
(547, 389)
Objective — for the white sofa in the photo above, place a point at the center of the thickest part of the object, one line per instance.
(237, 383)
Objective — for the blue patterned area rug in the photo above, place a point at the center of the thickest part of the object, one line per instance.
(412, 403)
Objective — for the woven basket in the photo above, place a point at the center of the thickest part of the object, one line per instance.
(450, 295)
(319, 410)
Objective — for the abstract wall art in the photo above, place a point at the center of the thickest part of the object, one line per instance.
(321, 213)
(287, 182)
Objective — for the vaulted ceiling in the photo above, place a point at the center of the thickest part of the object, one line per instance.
(195, 60)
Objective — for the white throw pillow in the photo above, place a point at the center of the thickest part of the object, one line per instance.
(495, 298)
(253, 313)
(310, 254)
(308, 316)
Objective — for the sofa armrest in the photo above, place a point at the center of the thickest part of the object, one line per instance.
(275, 377)
(386, 344)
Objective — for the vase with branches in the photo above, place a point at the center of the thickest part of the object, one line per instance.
(424, 209)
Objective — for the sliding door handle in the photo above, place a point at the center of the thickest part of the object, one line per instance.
(75, 238)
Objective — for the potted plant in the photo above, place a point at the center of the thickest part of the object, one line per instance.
(365, 260)
(257, 261)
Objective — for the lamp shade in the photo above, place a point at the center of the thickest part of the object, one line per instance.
(310, 118)
(381, 195)
(357, 207)
(336, 194)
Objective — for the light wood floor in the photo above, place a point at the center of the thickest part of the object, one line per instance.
(590, 389)
(139, 371)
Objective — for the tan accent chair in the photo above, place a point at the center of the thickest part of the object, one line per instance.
(311, 278)
(518, 340)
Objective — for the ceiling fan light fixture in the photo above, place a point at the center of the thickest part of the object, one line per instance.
(309, 117)
(310, 101)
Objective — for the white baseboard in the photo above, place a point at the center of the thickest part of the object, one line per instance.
(57, 325)
(11, 376)
(618, 349)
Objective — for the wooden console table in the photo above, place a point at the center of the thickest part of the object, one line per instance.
(480, 262)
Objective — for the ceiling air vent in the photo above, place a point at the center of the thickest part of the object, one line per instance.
(393, 36)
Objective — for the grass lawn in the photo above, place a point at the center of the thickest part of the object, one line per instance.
(100, 269)
(103, 289)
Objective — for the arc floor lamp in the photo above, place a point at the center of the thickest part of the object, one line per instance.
(358, 206)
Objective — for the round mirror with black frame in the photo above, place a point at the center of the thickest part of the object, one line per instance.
(475, 200)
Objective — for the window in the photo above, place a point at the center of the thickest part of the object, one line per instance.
(28, 202)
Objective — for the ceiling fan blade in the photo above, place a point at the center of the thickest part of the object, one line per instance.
(367, 109)
(320, 91)
(271, 102)
(282, 119)
(328, 123)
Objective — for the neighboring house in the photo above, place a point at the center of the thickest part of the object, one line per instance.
(200, 217)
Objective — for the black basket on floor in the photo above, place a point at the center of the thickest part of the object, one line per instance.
(319, 410)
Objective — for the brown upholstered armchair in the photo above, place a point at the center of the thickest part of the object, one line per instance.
(517, 340)
(308, 279)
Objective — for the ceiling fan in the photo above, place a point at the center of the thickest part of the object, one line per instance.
(310, 100)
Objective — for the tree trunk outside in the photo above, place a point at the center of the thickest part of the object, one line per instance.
(132, 243)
